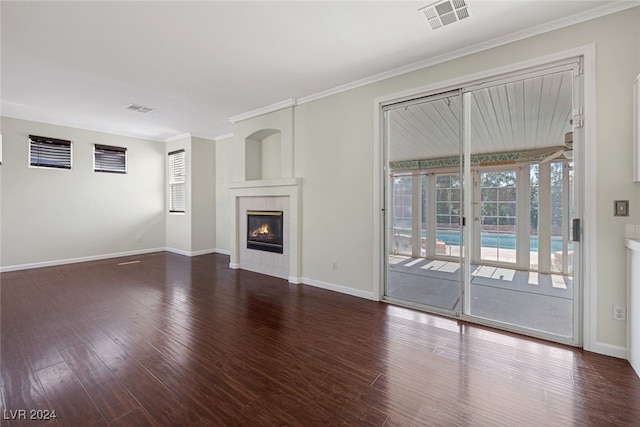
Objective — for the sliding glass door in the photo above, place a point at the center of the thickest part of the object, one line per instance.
(423, 248)
(480, 202)
(519, 147)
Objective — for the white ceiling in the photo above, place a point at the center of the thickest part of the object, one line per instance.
(198, 63)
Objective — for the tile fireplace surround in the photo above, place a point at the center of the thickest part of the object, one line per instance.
(271, 195)
(270, 263)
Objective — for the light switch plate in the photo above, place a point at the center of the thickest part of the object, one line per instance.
(621, 208)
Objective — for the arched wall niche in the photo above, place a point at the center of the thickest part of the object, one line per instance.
(264, 149)
(263, 152)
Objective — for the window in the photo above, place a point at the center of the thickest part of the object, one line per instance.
(448, 207)
(49, 152)
(402, 216)
(498, 216)
(448, 188)
(177, 181)
(109, 159)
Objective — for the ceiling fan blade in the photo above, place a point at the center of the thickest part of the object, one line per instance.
(568, 154)
(542, 151)
(568, 140)
(553, 156)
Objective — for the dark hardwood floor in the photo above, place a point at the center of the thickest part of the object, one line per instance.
(177, 341)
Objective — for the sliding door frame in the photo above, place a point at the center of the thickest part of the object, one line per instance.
(585, 294)
(431, 206)
(573, 65)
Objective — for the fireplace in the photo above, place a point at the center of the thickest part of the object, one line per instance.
(264, 231)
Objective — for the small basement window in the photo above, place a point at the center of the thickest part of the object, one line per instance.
(49, 152)
(107, 158)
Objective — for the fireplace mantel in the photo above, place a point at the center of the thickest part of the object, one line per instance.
(283, 187)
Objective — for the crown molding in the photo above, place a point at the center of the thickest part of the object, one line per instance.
(77, 126)
(177, 137)
(479, 47)
(200, 136)
(225, 136)
(263, 110)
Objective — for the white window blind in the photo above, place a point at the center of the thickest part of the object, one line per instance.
(49, 152)
(177, 181)
(109, 159)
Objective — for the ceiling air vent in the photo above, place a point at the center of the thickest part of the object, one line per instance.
(445, 12)
(139, 108)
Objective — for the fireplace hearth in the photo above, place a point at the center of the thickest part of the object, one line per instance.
(264, 231)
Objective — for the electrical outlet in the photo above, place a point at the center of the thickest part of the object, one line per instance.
(334, 265)
(139, 239)
(620, 313)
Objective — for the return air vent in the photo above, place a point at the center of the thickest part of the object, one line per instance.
(139, 108)
(445, 12)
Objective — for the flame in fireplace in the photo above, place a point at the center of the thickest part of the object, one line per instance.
(264, 231)
(261, 231)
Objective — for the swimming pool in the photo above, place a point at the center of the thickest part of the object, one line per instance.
(491, 240)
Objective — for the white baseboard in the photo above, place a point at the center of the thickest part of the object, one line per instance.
(608, 350)
(178, 251)
(105, 256)
(295, 280)
(338, 288)
(223, 251)
(203, 252)
(79, 259)
(234, 265)
(196, 253)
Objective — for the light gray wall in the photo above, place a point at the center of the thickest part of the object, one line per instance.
(1, 191)
(224, 153)
(271, 157)
(52, 215)
(253, 159)
(203, 204)
(618, 63)
(334, 158)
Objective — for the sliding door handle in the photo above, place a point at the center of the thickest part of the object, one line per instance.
(576, 230)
